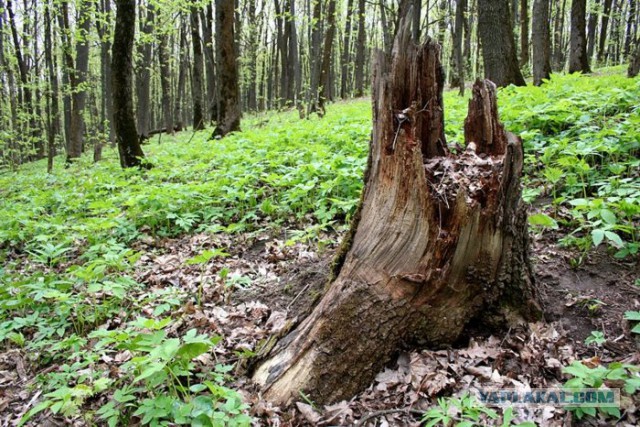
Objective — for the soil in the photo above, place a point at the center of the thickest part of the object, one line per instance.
(288, 278)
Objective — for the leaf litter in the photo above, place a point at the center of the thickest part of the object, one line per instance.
(266, 285)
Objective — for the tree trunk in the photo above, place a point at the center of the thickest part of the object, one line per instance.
(578, 60)
(325, 80)
(524, 33)
(345, 60)
(178, 112)
(252, 57)
(165, 82)
(634, 62)
(558, 37)
(198, 71)
(228, 70)
(106, 106)
(209, 62)
(315, 58)
(360, 47)
(631, 28)
(592, 25)
(457, 79)
(439, 240)
(53, 128)
(498, 46)
(415, 26)
(78, 80)
(604, 23)
(122, 68)
(143, 75)
(540, 39)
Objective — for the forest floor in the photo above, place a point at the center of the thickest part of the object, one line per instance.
(142, 297)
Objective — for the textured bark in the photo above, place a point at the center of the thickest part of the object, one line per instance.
(592, 25)
(604, 25)
(325, 78)
(634, 62)
(524, 33)
(631, 31)
(165, 82)
(345, 59)
(498, 46)
(578, 60)
(143, 75)
(558, 37)
(53, 122)
(198, 71)
(360, 47)
(228, 70)
(79, 96)
(541, 41)
(415, 26)
(439, 239)
(252, 57)
(457, 79)
(106, 106)
(122, 68)
(209, 62)
(315, 58)
(183, 67)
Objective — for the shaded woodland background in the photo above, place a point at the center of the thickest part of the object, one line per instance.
(56, 77)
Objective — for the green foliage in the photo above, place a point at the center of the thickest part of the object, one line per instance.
(67, 238)
(600, 376)
(467, 411)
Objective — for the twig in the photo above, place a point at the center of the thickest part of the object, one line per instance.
(377, 414)
(298, 296)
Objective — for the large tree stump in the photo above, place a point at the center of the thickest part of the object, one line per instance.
(440, 240)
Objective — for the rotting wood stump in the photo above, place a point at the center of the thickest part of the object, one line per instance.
(439, 241)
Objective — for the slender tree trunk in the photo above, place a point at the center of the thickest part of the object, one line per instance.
(425, 255)
(228, 70)
(634, 62)
(325, 80)
(345, 60)
(631, 28)
(209, 62)
(498, 46)
(592, 25)
(180, 89)
(295, 70)
(457, 79)
(578, 60)
(415, 26)
(386, 28)
(78, 80)
(53, 128)
(252, 57)
(143, 75)
(315, 59)
(360, 48)
(524, 33)
(106, 106)
(541, 42)
(604, 25)
(558, 40)
(165, 82)
(198, 71)
(122, 67)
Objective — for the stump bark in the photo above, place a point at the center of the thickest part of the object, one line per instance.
(439, 241)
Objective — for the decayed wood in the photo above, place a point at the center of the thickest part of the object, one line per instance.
(440, 240)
